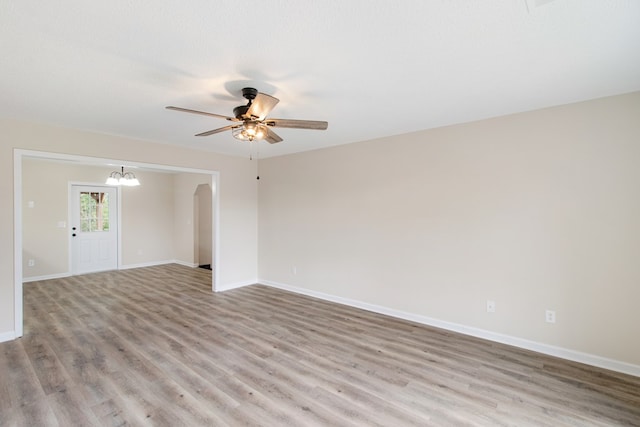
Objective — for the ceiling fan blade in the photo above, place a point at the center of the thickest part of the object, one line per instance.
(297, 124)
(186, 110)
(261, 106)
(211, 132)
(272, 137)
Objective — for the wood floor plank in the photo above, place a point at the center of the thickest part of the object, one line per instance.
(48, 368)
(37, 413)
(155, 346)
(115, 412)
(21, 380)
(70, 408)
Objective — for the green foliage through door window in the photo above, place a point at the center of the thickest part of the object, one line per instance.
(94, 211)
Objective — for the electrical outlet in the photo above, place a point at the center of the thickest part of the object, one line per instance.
(491, 306)
(31, 262)
(294, 270)
(550, 316)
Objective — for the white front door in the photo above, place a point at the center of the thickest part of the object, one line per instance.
(94, 229)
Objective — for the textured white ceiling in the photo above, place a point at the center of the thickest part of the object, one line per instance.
(371, 68)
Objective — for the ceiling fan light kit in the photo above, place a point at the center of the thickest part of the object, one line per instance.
(249, 131)
(251, 123)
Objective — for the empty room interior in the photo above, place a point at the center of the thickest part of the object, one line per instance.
(330, 213)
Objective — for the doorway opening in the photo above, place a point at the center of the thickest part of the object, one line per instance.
(202, 230)
(20, 155)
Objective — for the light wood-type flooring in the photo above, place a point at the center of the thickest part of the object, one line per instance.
(154, 346)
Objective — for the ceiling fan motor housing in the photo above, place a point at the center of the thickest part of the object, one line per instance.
(249, 94)
(240, 111)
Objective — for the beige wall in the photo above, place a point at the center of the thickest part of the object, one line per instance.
(147, 223)
(237, 192)
(536, 211)
(147, 220)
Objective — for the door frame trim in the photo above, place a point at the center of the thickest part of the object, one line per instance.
(20, 154)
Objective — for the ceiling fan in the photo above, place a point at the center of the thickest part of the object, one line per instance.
(251, 122)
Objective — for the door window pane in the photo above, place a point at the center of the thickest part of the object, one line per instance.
(94, 211)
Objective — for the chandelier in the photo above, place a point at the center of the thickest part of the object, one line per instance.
(122, 178)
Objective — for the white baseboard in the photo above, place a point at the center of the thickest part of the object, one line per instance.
(122, 267)
(7, 336)
(45, 277)
(147, 264)
(154, 263)
(186, 264)
(229, 286)
(564, 353)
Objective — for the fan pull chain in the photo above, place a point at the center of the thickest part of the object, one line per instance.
(257, 157)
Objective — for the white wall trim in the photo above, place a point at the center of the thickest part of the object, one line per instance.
(185, 263)
(17, 244)
(46, 277)
(7, 336)
(215, 201)
(236, 285)
(122, 267)
(564, 353)
(147, 264)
